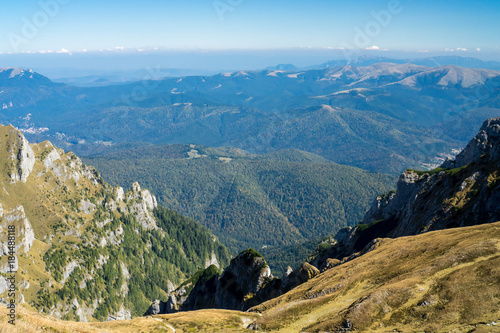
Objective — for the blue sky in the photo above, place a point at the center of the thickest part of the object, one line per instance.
(248, 24)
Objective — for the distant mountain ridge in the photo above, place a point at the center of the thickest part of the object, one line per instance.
(322, 111)
(438, 61)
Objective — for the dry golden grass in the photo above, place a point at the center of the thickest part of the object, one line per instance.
(197, 321)
(439, 281)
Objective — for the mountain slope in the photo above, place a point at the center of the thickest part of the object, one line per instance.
(84, 249)
(438, 281)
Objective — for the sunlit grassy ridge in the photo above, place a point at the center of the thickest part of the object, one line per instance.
(437, 281)
(196, 321)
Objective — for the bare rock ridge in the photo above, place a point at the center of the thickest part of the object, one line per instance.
(22, 156)
(461, 192)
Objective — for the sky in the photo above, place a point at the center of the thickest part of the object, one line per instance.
(72, 27)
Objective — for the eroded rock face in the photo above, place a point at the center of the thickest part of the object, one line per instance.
(303, 274)
(246, 282)
(486, 141)
(143, 202)
(461, 193)
(24, 231)
(157, 307)
(246, 275)
(22, 156)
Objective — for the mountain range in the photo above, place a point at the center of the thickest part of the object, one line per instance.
(425, 258)
(381, 117)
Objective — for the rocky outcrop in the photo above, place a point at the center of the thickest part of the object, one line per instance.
(246, 282)
(142, 203)
(22, 156)
(157, 307)
(24, 235)
(460, 193)
(485, 142)
(303, 274)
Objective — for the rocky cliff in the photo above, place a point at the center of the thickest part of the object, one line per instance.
(82, 249)
(462, 192)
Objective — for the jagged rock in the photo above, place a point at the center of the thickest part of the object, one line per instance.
(158, 307)
(24, 231)
(303, 274)
(330, 263)
(246, 282)
(287, 273)
(119, 194)
(54, 162)
(486, 141)
(212, 261)
(171, 306)
(86, 206)
(143, 203)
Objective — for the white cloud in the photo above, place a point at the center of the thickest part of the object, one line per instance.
(449, 50)
(478, 49)
(374, 47)
(63, 50)
(423, 51)
(119, 48)
(84, 50)
(461, 49)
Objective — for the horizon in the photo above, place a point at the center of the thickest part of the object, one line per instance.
(201, 62)
(224, 35)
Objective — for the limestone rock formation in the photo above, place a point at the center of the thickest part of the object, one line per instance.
(78, 245)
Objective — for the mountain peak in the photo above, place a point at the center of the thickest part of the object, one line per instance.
(486, 141)
(13, 72)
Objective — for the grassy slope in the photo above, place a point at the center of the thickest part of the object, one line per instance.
(439, 281)
(197, 321)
